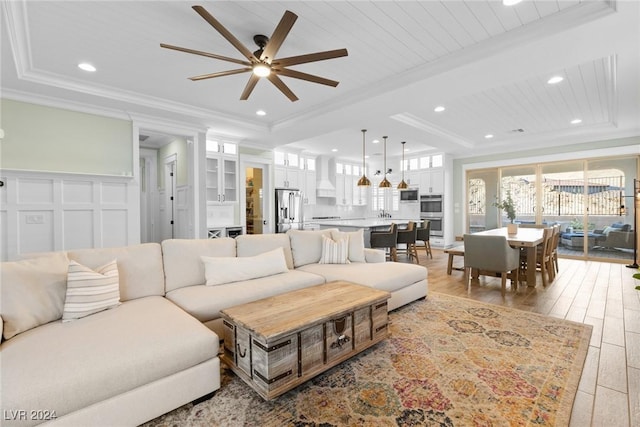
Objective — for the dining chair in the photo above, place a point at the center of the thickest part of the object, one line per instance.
(423, 235)
(490, 255)
(544, 257)
(407, 238)
(555, 242)
(387, 240)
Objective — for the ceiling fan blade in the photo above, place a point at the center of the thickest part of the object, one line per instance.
(220, 74)
(305, 76)
(278, 36)
(283, 87)
(249, 87)
(207, 54)
(310, 57)
(225, 33)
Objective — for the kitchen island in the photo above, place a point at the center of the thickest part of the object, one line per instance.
(367, 224)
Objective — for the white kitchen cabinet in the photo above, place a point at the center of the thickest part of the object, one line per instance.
(432, 181)
(308, 176)
(222, 173)
(286, 170)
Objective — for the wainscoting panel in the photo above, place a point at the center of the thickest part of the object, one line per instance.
(78, 229)
(35, 231)
(43, 212)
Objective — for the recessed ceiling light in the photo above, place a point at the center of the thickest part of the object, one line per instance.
(439, 109)
(334, 149)
(406, 149)
(576, 121)
(555, 79)
(510, 2)
(366, 157)
(261, 113)
(86, 67)
(375, 141)
(488, 136)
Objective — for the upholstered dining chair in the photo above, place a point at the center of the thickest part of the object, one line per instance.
(387, 240)
(423, 235)
(407, 238)
(491, 254)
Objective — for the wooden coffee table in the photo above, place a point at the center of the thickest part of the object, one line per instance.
(277, 343)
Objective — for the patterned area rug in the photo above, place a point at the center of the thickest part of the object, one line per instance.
(448, 362)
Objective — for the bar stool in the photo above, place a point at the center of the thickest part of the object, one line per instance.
(407, 237)
(423, 235)
(386, 240)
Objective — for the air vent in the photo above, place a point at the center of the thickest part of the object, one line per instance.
(517, 130)
(143, 138)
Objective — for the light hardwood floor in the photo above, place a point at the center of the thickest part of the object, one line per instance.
(596, 293)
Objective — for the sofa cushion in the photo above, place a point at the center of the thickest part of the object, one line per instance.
(32, 292)
(335, 251)
(182, 263)
(140, 272)
(387, 276)
(254, 244)
(356, 243)
(306, 245)
(73, 365)
(90, 291)
(221, 270)
(205, 302)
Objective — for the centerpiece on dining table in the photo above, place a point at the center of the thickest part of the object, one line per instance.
(509, 208)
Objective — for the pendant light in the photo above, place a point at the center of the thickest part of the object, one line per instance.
(402, 184)
(363, 181)
(385, 182)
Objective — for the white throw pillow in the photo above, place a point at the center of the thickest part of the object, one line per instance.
(90, 291)
(221, 270)
(356, 243)
(334, 251)
(306, 245)
(32, 292)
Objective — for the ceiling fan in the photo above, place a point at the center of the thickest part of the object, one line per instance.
(262, 62)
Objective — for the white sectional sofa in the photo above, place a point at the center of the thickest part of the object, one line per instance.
(152, 353)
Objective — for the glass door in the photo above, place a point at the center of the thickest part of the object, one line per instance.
(520, 183)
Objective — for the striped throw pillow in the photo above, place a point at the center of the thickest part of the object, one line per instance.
(335, 251)
(90, 291)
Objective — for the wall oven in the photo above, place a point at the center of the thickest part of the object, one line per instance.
(431, 205)
(436, 225)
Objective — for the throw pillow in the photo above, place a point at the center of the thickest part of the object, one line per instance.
(222, 270)
(334, 251)
(32, 292)
(90, 291)
(356, 243)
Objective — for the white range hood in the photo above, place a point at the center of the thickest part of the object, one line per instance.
(324, 186)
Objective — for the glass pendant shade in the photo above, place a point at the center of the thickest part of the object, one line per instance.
(385, 182)
(363, 181)
(403, 185)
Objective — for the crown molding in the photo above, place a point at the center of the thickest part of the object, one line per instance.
(18, 30)
(64, 104)
(416, 122)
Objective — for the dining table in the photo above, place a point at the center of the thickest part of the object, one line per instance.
(526, 238)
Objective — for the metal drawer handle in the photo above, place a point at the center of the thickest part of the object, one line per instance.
(240, 353)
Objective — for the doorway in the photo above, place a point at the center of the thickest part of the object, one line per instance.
(256, 197)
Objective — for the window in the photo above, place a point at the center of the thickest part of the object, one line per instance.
(413, 164)
(424, 162)
(437, 161)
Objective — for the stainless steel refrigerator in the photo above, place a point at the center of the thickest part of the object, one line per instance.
(288, 210)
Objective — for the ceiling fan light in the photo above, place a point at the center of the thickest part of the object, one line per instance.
(261, 70)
